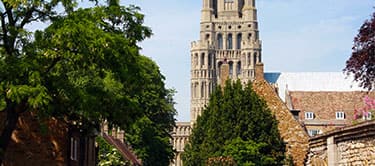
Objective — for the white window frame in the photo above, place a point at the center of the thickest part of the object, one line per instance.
(73, 149)
(309, 115)
(340, 115)
(314, 132)
(368, 117)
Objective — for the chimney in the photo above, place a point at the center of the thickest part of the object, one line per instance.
(259, 71)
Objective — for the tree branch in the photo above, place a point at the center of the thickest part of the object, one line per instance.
(53, 64)
(27, 17)
(5, 33)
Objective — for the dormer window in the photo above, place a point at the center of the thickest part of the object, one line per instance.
(340, 115)
(367, 116)
(309, 115)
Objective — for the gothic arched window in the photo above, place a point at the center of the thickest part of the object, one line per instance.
(255, 58)
(220, 41)
(196, 59)
(248, 59)
(231, 69)
(209, 60)
(230, 42)
(239, 39)
(202, 59)
(238, 70)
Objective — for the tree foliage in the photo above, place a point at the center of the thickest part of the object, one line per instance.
(236, 124)
(150, 134)
(361, 64)
(109, 155)
(85, 66)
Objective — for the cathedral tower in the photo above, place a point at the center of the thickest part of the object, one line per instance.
(228, 34)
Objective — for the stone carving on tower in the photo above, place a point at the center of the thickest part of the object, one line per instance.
(229, 38)
(228, 31)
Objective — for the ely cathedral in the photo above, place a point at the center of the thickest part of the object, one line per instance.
(306, 104)
(228, 35)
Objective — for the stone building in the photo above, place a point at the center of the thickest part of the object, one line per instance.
(303, 103)
(228, 34)
(352, 145)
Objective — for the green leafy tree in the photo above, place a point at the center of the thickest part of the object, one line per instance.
(109, 155)
(235, 124)
(150, 134)
(85, 66)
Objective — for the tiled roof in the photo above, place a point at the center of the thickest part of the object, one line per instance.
(311, 81)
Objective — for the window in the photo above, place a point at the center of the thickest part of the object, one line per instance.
(73, 148)
(248, 59)
(202, 59)
(230, 42)
(340, 115)
(314, 132)
(255, 59)
(367, 116)
(230, 69)
(220, 41)
(219, 68)
(239, 39)
(238, 70)
(209, 60)
(196, 59)
(202, 90)
(249, 35)
(309, 115)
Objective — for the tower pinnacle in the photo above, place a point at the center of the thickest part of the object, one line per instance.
(228, 31)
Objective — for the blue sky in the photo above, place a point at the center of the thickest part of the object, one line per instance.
(297, 36)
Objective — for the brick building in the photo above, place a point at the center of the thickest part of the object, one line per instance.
(320, 101)
(56, 143)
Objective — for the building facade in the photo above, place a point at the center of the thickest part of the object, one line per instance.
(305, 104)
(321, 101)
(228, 35)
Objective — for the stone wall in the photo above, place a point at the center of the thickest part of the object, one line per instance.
(180, 137)
(290, 129)
(353, 145)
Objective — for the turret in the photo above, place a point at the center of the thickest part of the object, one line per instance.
(249, 11)
(207, 11)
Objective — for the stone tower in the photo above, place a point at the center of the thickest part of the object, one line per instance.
(228, 34)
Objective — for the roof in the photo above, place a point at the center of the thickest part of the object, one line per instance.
(312, 81)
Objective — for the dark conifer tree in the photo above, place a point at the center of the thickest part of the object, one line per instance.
(236, 125)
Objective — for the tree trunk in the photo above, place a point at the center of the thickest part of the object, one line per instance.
(10, 124)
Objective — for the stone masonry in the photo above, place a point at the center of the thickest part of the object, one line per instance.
(229, 38)
(291, 131)
(228, 35)
(352, 145)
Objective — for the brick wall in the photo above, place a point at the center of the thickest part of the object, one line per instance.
(29, 146)
(290, 129)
